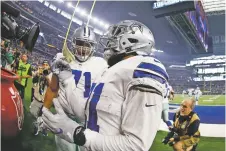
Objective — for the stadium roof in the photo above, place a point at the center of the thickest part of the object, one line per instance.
(110, 12)
(214, 7)
(167, 39)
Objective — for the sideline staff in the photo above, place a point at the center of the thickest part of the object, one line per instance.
(184, 135)
(24, 72)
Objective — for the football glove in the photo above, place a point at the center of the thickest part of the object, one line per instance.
(38, 127)
(60, 124)
(61, 68)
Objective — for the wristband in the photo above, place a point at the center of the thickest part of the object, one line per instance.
(79, 136)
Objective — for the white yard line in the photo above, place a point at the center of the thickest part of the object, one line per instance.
(207, 100)
(215, 97)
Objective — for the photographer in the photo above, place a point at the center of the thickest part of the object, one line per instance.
(15, 65)
(24, 72)
(185, 135)
(39, 88)
(40, 81)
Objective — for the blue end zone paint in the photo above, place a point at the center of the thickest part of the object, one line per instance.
(207, 114)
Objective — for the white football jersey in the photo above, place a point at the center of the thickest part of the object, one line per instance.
(84, 74)
(168, 90)
(190, 91)
(197, 92)
(124, 109)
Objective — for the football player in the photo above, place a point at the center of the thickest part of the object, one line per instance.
(190, 91)
(123, 112)
(197, 93)
(165, 109)
(85, 68)
(184, 92)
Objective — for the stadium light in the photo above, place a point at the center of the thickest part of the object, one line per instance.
(83, 13)
(41, 34)
(77, 9)
(89, 17)
(101, 23)
(69, 4)
(106, 26)
(94, 19)
(60, 1)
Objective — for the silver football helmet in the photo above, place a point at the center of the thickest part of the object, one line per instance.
(127, 36)
(83, 43)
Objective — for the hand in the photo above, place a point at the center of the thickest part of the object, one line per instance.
(61, 68)
(170, 128)
(60, 124)
(38, 127)
(171, 140)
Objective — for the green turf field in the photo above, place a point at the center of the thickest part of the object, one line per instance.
(27, 142)
(203, 100)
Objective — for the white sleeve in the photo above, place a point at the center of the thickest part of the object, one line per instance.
(75, 103)
(140, 121)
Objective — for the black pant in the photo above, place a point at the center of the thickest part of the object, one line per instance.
(32, 94)
(20, 88)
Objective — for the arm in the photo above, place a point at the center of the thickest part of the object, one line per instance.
(75, 101)
(51, 92)
(141, 117)
(192, 129)
(139, 124)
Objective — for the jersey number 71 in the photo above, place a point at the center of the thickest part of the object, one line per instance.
(77, 75)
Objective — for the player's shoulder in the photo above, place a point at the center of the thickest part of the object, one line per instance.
(98, 61)
(144, 61)
(147, 66)
(151, 62)
(144, 64)
(147, 72)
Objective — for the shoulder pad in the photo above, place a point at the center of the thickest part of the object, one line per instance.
(98, 61)
(150, 73)
(151, 68)
(147, 84)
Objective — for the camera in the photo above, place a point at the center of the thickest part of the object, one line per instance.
(11, 30)
(45, 72)
(171, 134)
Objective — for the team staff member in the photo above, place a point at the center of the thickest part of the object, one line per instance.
(24, 72)
(185, 132)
